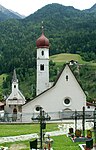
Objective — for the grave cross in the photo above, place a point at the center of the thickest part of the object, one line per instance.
(95, 125)
(42, 117)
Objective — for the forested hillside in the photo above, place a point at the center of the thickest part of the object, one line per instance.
(69, 31)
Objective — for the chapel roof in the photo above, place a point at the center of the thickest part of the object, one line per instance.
(14, 79)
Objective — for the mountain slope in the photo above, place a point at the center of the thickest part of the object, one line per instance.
(17, 14)
(92, 9)
(52, 11)
(69, 31)
(5, 14)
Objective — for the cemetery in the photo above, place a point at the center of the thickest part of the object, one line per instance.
(78, 132)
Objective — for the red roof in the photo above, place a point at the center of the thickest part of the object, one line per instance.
(90, 104)
(1, 104)
(42, 42)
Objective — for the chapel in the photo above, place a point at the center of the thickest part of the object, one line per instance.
(14, 101)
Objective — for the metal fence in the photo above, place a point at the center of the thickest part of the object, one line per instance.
(65, 115)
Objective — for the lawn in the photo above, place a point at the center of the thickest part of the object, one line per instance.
(64, 143)
(60, 142)
(65, 57)
(21, 129)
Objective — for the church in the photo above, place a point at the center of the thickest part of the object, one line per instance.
(64, 95)
(14, 101)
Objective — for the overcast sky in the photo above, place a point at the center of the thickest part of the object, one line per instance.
(27, 7)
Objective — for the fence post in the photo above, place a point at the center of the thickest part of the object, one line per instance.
(75, 120)
(83, 121)
(95, 125)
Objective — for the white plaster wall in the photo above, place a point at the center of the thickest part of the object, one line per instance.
(52, 99)
(42, 75)
(20, 98)
(14, 89)
(46, 53)
(90, 109)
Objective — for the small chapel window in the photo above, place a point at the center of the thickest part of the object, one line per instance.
(66, 77)
(42, 67)
(42, 53)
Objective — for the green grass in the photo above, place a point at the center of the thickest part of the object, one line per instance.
(65, 57)
(59, 143)
(64, 143)
(19, 129)
(25, 145)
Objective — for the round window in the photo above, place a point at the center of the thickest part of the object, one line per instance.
(37, 108)
(67, 101)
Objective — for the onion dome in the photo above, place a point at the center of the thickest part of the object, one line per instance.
(42, 42)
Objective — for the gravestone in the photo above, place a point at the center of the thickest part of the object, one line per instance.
(70, 130)
(78, 133)
(71, 133)
(89, 134)
(33, 144)
(89, 143)
(78, 137)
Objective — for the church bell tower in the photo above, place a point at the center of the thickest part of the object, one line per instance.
(42, 44)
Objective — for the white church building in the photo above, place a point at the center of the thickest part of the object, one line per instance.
(14, 101)
(65, 94)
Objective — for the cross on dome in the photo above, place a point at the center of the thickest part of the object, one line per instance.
(42, 41)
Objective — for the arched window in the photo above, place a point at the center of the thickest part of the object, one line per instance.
(42, 67)
(42, 53)
(14, 111)
(14, 86)
(14, 117)
(66, 77)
